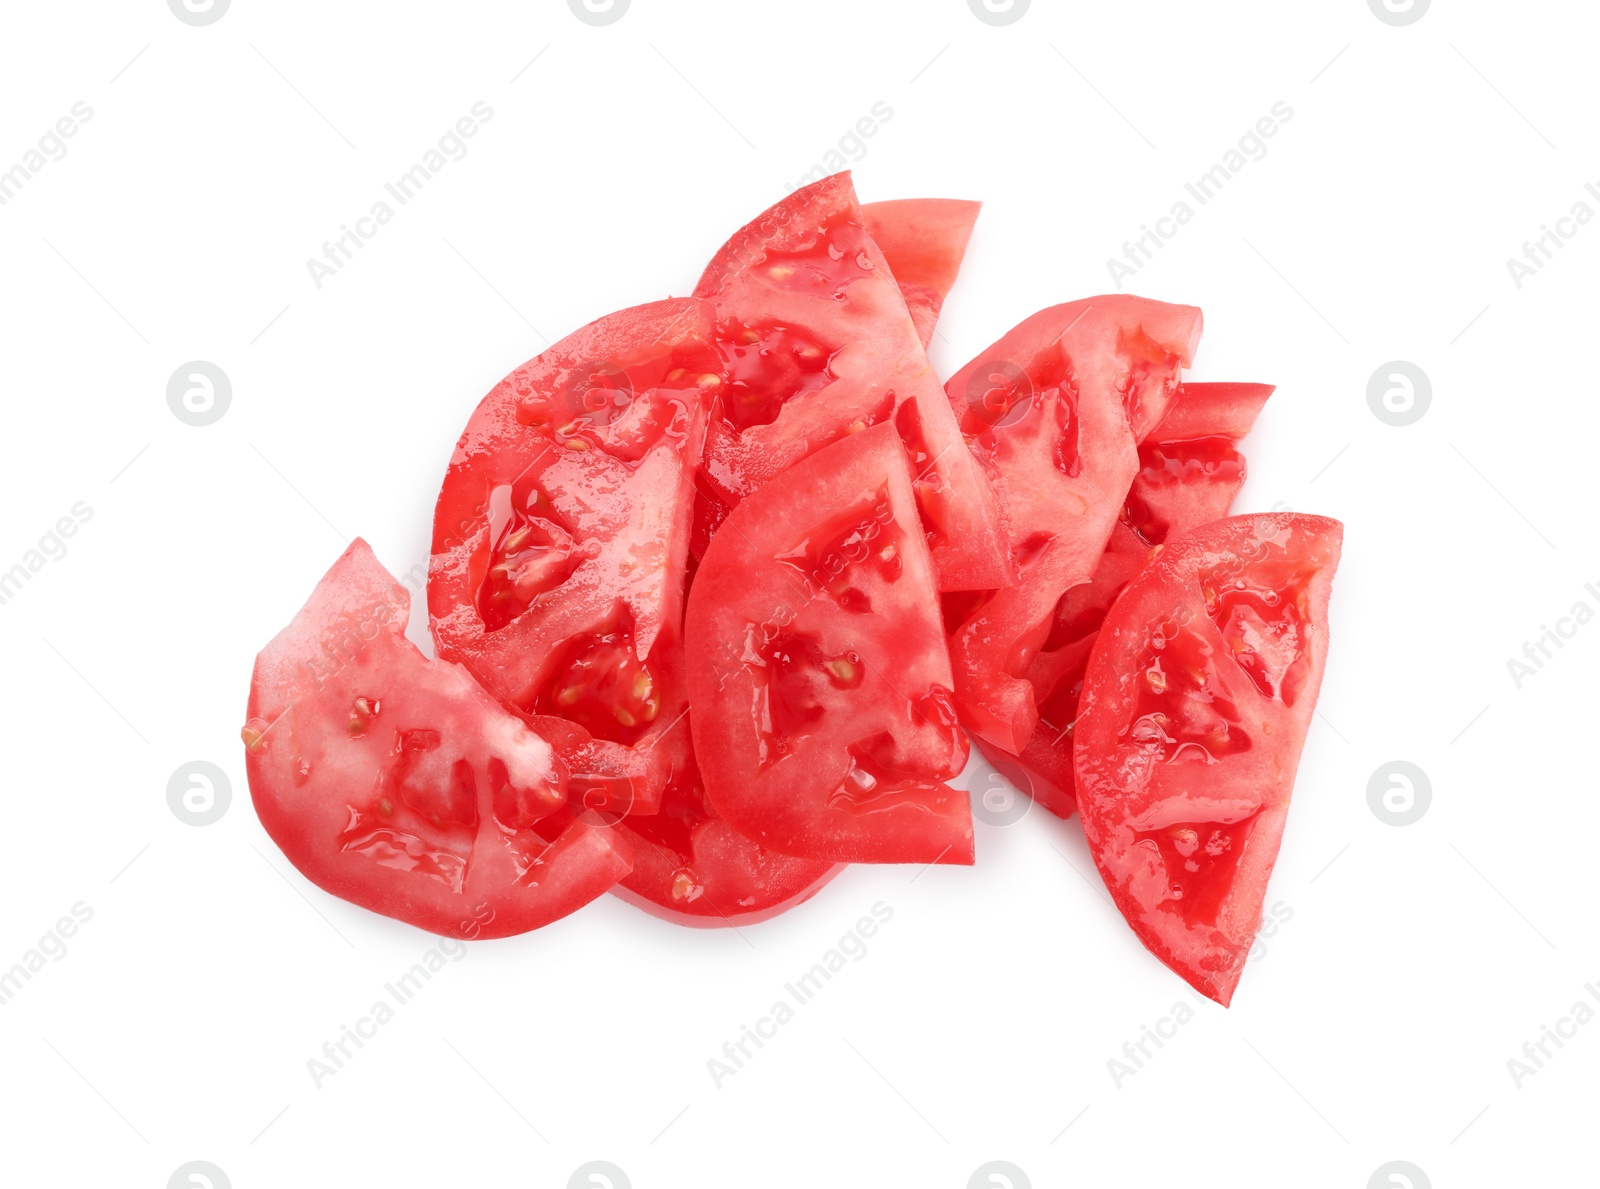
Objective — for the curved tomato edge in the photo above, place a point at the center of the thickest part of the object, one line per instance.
(959, 852)
(720, 920)
(1218, 988)
(278, 823)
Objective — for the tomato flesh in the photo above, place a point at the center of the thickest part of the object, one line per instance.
(1051, 410)
(1196, 702)
(924, 241)
(823, 723)
(820, 345)
(1189, 471)
(693, 868)
(399, 784)
(560, 541)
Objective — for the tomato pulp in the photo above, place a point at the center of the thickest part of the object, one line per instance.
(1196, 702)
(820, 345)
(1053, 411)
(399, 784)
(1189, 471)
(822, 721)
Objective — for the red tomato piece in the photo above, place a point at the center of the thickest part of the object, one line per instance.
(820, 345)
(1190, 470)
(1054, 410)
(399, 784)
(924, 240)
(1195, 707)
(822, 720)
(691, 867)
(560, 541)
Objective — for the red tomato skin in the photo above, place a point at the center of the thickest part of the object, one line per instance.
(880, 373)
(924, 241)
(744, 598)
(1089, 377)
(692, 868)
(739, 882)
(1133, 802)
(309, 767)
(631, 520)
(1201, 411)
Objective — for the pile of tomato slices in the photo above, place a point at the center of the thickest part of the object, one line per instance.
(722, 586)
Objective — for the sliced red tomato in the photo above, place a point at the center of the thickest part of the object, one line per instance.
(924, 241)
(561, 535)
(823, 722)
(1195, 707)
(1189, 471)
(1190, 467)
(399, 784)
(820, 346)
(1054, 410)
(691, 867)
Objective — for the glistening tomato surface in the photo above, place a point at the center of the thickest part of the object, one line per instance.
(822, 716)
(399, 784)
(561, 537)
(1053, 410)
(1189, 471)
(691, 867)
(820, 345)
(924, 240)
(1195, 707)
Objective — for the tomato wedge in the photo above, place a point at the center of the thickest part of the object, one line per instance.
(1195, 707)
(822, 719)
(691, 867)
(1189, 471)
(397, 783)
(560, 541)
(820, 345)
(924, 241)
(1054, 410)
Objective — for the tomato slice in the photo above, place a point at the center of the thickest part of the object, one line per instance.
(820, 346)
(560, 540)
(1054, 410)
(693, 868)
(924, 241)
(1195, 706)
(397, 783)
(1190, 470)
(821, 688)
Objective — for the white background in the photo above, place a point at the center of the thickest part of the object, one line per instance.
(1378, 1022)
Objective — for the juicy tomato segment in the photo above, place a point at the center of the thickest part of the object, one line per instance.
(924, 241)
(561, 535)
(1190, 470)
(1047, 411)
(819, 345)
(1195, 706)
(399, 784)
(692, 867)
(822, 731)
(769, 365)
(600, 684)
